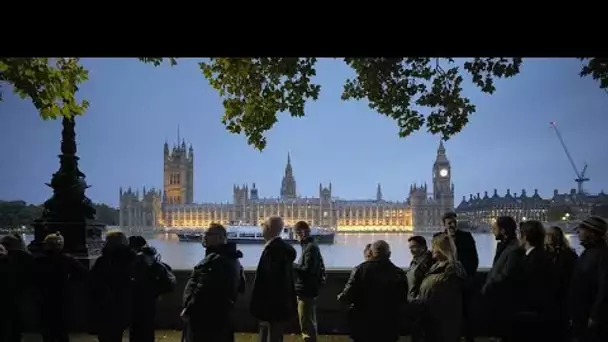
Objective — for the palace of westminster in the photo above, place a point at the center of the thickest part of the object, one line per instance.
(174, 207)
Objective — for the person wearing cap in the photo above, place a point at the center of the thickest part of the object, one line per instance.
(54, 271)
(466, 252)
(212, 290)
(589, 286)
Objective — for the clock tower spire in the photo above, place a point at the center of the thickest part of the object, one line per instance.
(443, 190)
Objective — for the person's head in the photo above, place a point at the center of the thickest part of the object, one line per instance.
(272, 227)
(215, 235)
(417, 245)
(380, 250)
(592, 230)
(11, 243)
(443, 249)
(450, 223)
(115, 240)
(367, 252)
(53, 242)
(136, 243)
(302, 230)
(504, 228)
(532, 234)
(556, 238)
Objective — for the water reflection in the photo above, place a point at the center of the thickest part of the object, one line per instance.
(345, 253)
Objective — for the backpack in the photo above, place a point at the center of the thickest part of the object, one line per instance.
(163, 277)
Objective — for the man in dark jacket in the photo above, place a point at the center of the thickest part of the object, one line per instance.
(151, 279)
(466, 251)
(17, 280)
(538, 285)
(212, 290)
(273, 297)
(53, 273)
(501, 286)
(589, 286)
(377, 292)
(310, 275)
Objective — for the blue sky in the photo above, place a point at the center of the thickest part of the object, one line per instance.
(136, 107)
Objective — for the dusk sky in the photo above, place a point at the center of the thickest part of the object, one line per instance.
(135, 108)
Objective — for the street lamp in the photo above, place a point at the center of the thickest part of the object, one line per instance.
(68, 211)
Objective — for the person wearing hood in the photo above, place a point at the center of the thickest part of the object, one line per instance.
(151, 279)
(440, 295)
(17, 282)
(111, 289)
(53, 273)
(212, 290)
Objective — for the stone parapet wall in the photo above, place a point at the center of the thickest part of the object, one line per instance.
(331, 314)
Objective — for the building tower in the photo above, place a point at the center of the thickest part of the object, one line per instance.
(379, 193)
(178, 174)
(288, 185)
(443, 189)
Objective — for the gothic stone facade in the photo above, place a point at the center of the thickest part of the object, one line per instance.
(421, 211)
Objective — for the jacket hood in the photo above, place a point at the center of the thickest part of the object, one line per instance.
(227, 249)
(149, 250)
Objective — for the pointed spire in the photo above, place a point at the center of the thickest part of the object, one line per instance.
(178, 139)
(441, 149)
(379, 193)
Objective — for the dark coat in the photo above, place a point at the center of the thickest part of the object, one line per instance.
(419, 267)
(54, 273)
(111, 290)
(211, 293)
(273, 297)
(564, 261)
(538, 284)
(501, 288)
(440, 298)
(18, 276)
(310, 270)
(466, 251)
(589, 289)
(377, 293)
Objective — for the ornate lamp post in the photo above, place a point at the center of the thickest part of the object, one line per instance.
(69, 211)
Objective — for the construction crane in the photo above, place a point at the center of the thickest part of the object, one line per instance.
(580, 176)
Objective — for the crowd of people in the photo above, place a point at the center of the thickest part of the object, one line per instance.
(538, 288)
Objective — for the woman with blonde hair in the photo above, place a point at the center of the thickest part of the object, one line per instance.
(441, 291)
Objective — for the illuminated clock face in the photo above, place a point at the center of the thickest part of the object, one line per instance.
(443, 172)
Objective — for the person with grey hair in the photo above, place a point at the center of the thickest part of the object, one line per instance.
(273, 297)
(54, 273)
(376, 292)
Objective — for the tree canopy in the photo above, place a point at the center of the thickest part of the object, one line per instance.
(416, 92)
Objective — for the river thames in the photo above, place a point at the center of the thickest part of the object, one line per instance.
(345, 253)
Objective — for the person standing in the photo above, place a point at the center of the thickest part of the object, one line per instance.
(538, 285)
(53, 273)
(440, 296)
(466, 252)
(589, 287)
(563, 257)
(17, 279)
(310, 276)
(502, 286)
(273, 297)
(212, 290)
(111, 289)
(376, 292)
(422, 260)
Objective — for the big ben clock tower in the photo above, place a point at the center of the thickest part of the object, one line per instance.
(443, 189)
